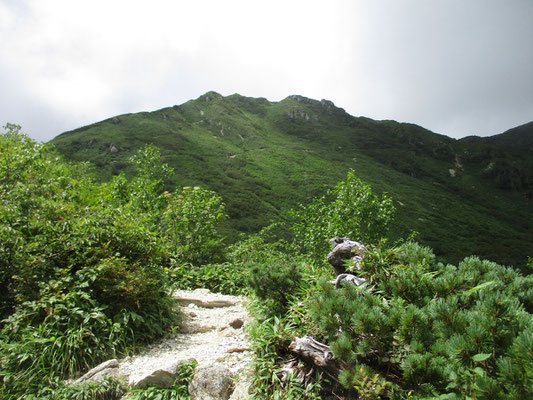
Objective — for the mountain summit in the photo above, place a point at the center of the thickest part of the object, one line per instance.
(468, 196)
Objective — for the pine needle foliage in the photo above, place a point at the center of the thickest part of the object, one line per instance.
(431, 329)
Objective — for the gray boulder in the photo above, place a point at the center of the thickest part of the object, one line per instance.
(242, 387)
(161, 378)
(214, 382)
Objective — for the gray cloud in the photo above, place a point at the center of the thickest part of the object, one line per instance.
(454, 67)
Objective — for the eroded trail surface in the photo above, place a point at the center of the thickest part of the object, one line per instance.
(212, 333)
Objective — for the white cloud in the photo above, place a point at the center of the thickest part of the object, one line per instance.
(427, 63)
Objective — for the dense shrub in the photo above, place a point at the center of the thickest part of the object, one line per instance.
(433, 329)
(226, 278)
(83, 265)
(349, 210)
(189, 224)
(274, 283)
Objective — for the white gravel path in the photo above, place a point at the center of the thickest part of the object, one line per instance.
(206, 335)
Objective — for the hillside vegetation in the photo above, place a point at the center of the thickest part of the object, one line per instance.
(87, 268)
(471, 196)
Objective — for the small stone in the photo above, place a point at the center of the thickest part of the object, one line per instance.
(236, 323)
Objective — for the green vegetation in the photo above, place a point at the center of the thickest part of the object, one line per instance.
(433, 329)
(84, 264)
(421, 329)
(86, 270)
(469, 196)
(353, 212)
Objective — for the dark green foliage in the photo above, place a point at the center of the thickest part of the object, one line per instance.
(439, 329)
(107, 389)
(274, 283)
(226, 278)
(56, 336)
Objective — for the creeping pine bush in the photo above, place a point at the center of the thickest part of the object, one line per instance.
(274, 284)
(433, 330)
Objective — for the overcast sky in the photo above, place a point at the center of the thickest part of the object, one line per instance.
(456, 67)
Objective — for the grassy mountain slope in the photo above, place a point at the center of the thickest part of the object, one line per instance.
(264, 158)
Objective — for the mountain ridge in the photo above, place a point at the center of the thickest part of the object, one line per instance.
(265, 157)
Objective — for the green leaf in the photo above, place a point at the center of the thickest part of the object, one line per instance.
(453, 376)
(481, 357)
(479, 371)
(483, 285)
(448, 396)
(451, 385)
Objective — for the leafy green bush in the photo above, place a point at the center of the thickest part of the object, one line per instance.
(189, 224)
(226, 278)
(349, 210)
(82, 272)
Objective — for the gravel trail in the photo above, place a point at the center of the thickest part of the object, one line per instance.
(212, 332)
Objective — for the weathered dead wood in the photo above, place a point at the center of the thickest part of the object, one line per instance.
(238, 350)
(345, 249)
(315, 352)
(354, 280)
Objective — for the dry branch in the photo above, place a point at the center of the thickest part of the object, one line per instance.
(315, 352)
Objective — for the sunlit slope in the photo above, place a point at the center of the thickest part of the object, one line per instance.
(265, 158)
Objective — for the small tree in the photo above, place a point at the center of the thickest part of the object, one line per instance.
(353, 212)
(190, 224)
(146, 189)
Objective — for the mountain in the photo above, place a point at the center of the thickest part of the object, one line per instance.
(468, 196)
